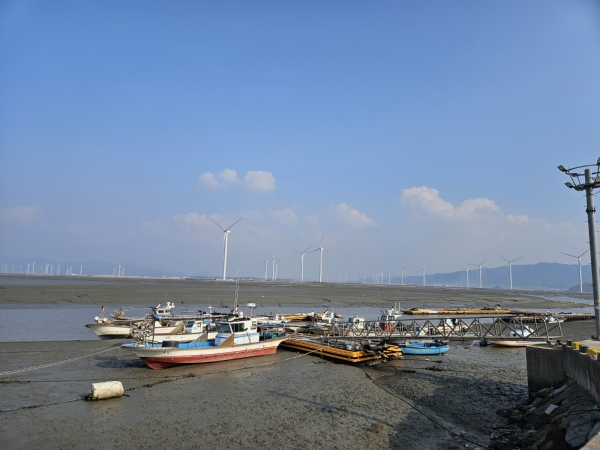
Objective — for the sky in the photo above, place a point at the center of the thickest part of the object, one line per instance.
(399, 134)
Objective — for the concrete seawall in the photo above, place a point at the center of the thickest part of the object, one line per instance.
(545, 366)
(581, 364)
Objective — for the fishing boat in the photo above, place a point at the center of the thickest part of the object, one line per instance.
(520, 331)
(322, 323)
(235, 339)
(389, 318)
(424, 348)
(191, 331)
(108, 329)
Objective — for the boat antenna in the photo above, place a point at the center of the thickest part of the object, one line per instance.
(237, 289)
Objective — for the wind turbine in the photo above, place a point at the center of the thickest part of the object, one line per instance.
(225, 241)
(479, 265)
(274, 267)
(510, 266)
(423, 270)
(302, 262)
(467, 276)
(402, 274)
(579, 261)
(266, 263)
(320, 250)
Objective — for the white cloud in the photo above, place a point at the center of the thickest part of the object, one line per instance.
(193, 220)
(285, 216)
(208, 179)
(229, 176)
(429, 200)
(19, 213)
(256, 180)
(313, 219)
(352, 217)
(477, 228)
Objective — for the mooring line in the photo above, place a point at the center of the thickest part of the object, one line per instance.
(12, 372)
(435, 421)
(164, 380)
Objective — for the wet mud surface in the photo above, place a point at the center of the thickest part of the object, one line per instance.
(287, 400)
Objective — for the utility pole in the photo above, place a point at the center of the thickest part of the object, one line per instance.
(590, 182)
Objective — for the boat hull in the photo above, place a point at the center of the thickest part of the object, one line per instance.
(420, 349)
(516, 343)
(110, 331)
(164, 357)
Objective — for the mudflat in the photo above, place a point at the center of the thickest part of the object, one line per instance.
(287, 400)
(25, 289)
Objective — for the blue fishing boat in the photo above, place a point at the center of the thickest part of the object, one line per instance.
(424, 348)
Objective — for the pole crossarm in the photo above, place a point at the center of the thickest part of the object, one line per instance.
(577, 182)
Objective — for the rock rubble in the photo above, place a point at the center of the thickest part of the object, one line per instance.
(560, 417)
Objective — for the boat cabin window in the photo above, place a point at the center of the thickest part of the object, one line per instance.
(240, 326)
(223, 327)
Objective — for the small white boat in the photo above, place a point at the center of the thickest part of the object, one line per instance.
(108, 329)
(235, 339)
(193, 330)
(389, 318)
(520, 331)
(324, 322)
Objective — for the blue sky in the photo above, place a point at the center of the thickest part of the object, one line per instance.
(407, 132)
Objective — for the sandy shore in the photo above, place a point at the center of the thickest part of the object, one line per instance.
(287, 400)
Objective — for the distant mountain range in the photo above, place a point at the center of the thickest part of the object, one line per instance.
(534, 276)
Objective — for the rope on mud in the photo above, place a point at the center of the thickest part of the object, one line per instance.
(422, 413)
(43, 404)
(12, 372)
(163, 380)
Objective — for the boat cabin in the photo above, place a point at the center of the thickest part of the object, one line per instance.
(244, 331)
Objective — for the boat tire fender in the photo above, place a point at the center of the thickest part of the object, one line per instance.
(170, 344)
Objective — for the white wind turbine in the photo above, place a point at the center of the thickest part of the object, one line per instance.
(423, 270)
(467, 276)
(226, 232)
(579, 261)
(320, 250)
(402, 274)
(479, 265)
(510, 266)
(274, 266)
(302, 263)
(266, 263)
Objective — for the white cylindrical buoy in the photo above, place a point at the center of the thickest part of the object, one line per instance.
(106, 389)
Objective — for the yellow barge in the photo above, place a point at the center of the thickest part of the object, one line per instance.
(419, 312)
(298, 317)
(338, 349)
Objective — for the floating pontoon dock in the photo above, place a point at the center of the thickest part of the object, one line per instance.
(337, 348)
